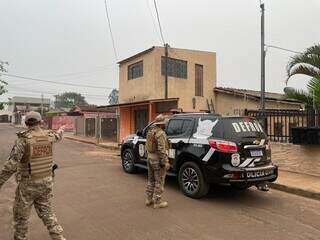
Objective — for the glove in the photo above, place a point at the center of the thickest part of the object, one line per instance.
(167, 165)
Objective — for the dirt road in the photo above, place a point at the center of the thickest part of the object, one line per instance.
(96, 200)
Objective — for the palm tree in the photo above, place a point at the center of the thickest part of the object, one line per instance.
(307, 63)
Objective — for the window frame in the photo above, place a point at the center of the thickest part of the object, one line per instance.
(131, 67)
(174, 70)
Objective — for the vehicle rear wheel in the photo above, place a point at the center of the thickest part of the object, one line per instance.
(128, 160)
(191, 180)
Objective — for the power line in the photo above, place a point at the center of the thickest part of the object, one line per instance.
(105, 68)
(53, 82)
(283, 49)
(158, 17)
(17, 89)
(110, 30)
(153, 21)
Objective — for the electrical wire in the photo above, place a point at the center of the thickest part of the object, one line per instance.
(158, 18)
(105, 68)
(54, 82)
(18, 89)
(110, 30)
(153, 21)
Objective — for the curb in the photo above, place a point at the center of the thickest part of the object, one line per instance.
(92, 143)
(296, 191)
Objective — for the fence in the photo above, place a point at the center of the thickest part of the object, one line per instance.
(278, 124)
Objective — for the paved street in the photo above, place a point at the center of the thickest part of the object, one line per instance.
(96, 200)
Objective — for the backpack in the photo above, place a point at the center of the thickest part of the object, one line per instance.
(151, 143)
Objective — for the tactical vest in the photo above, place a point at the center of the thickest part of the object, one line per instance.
(152, 143)
(37, 162)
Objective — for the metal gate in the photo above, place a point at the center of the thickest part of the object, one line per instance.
(109, 128)
(90, 127)
(141, 119)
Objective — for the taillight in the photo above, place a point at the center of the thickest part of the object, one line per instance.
(224, 146)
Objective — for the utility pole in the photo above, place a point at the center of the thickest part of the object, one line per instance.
(166, 70)
(263, 63)
(41, 104)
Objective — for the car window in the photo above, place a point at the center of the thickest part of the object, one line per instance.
(237, 129)
(178, 126)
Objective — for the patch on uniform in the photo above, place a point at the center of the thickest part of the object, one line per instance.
(141, 150)
(41, 150)
(204, 129)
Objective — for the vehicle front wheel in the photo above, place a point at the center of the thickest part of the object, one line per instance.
(191, 180)
(128, 160)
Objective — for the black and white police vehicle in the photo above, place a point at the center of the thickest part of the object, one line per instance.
(208, 149)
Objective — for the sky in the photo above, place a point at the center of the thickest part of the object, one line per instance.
(69, 40)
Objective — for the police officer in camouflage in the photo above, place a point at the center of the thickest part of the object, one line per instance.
(158, 163)
(31, 160)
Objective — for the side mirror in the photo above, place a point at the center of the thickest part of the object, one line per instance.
(139, 133)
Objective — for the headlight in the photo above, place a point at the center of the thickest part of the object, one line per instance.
(235, 159)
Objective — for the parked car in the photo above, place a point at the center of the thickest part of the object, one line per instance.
(208, 149)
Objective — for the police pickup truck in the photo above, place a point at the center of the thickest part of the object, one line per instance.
(208, 149)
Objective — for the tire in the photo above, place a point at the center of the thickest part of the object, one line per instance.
(240, 186)
(128, 161)
(191, 180)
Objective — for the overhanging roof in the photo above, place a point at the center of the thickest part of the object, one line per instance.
(256, 94)
(136, 55)
(144, 102)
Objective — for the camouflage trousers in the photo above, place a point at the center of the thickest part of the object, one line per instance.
(156, 180)
(39, 195)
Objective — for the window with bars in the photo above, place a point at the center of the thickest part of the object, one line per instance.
(199, 80)
(135, 70)
(176, 67)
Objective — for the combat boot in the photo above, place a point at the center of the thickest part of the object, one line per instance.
(160, 205)
(149, 202)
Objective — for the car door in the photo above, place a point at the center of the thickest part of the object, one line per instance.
(179, 131)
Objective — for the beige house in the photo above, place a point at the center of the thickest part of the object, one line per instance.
(191, 87)
(231, 101)
(191, 80)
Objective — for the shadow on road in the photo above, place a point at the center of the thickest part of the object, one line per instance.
(221, 194)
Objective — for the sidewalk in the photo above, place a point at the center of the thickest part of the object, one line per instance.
(91, 140)
(298, 183)
(291, 178)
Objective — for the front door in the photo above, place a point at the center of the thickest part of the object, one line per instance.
(140, 119)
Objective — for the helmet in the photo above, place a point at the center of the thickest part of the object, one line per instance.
(160, 120)
(33, 117)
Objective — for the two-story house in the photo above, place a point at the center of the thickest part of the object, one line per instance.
(142, 86)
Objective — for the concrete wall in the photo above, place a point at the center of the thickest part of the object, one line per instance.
(297, 158)
(151, 84)
(228, 104)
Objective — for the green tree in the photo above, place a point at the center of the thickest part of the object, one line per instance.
(306, 63)
(1, 105)
(69, 99)
(2, 82)
(114, 96)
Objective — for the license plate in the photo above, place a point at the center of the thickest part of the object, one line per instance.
(256, 153)
(260, 173)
